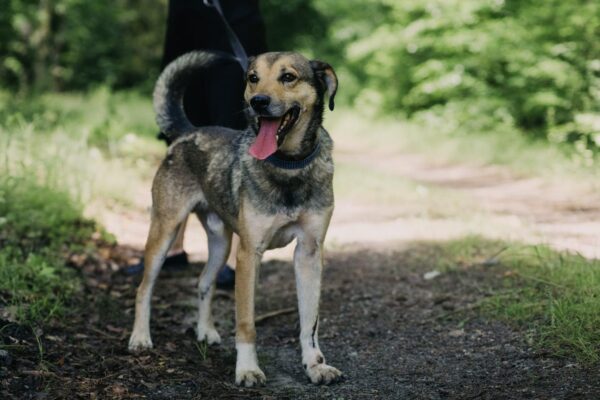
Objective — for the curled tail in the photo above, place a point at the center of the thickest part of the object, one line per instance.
(171, 85)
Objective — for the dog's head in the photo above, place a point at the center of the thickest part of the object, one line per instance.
(285, 95)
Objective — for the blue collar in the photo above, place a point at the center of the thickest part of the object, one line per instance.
(294, 164)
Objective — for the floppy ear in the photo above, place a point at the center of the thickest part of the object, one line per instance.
(327, 77)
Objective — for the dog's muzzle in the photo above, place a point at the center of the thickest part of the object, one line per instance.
(271, 132)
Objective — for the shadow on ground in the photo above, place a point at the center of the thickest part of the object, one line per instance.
(393, 334)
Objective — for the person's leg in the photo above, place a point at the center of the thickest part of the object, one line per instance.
(226, 276)
(225, 88)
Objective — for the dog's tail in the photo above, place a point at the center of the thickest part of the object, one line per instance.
(171, 85)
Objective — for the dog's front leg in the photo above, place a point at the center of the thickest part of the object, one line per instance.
(255, 232)
(308, 265)
(247, 371)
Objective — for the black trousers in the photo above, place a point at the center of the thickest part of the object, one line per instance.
(216, 96)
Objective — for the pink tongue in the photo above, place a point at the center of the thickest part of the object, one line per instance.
(265, 143)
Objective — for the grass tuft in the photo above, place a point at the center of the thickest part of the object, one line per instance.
(38, 227)
(63, 156)
(554, 296)
(557, 295)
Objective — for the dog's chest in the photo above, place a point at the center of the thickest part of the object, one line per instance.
(280, 193)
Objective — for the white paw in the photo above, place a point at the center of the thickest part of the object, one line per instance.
(139, 342)
(250, 378)
(208, 335)
(323, 374)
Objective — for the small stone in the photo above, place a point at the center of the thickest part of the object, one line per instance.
(456, 333)
(431, 275)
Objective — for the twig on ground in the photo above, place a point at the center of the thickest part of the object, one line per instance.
(275, 313)
(38, 373)
(106, 335)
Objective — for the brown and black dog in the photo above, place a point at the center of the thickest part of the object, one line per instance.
(270, 184)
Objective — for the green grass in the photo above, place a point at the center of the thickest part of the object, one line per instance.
(94, 146)
(557, 296)
(553, 296)
(62, 155)
(39, 226)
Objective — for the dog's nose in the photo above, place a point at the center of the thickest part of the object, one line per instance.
(260, 102)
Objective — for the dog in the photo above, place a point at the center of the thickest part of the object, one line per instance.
(270, 184)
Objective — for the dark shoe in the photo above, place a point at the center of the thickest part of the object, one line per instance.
(174, 262)
(226, 278)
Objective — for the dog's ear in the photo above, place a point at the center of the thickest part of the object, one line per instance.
(327, 77)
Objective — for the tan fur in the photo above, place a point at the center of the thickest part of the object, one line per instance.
(256, 232)
(298, 91)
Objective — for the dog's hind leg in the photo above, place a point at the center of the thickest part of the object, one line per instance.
(161, 236)
(219, 245)
(168, 212)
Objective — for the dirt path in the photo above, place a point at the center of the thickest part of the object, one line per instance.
(448, 201)
(393, 333)
(564, 215)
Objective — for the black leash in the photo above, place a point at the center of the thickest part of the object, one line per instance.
(236, 46)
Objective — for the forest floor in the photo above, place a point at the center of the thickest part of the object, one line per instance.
(393, 333)
(393, 330)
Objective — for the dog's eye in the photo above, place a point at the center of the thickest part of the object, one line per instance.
(253, 78)
(287, 77)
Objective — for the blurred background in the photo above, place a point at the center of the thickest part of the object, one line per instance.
(471, 124)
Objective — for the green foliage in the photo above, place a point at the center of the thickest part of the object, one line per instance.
(76, 44)
(292, 24)
(534, 64)
(37, 287)
(554, 296)
(38, 227)
(91, 146)
(57, 155)
(479, 64)
(34, 218)
(557, 296)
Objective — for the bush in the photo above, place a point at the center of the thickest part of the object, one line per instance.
(538, 61)
(77, 44)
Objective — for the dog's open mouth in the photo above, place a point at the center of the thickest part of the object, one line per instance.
(271, 133)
